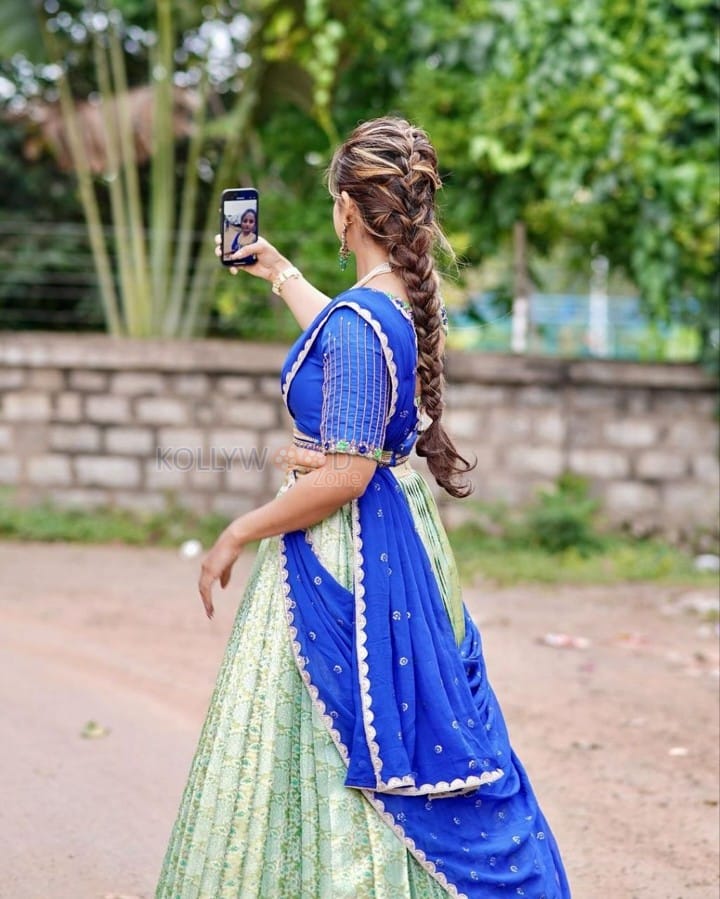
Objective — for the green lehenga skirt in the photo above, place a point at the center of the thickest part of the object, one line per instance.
(265, 812)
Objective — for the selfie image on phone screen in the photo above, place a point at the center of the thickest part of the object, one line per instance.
(239, 223)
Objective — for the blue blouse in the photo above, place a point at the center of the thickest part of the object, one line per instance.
(367, 408)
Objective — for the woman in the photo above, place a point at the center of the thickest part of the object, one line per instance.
(239, 232)
(248, 231)
(353, 747)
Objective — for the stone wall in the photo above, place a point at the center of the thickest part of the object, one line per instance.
(89, 419)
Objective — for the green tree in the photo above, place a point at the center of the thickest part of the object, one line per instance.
(230, 59)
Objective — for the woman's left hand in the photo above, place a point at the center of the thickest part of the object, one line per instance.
(218, 564)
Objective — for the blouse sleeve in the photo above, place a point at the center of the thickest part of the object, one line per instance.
(356, 386)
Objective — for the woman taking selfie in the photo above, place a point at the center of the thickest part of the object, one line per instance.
(353, 746)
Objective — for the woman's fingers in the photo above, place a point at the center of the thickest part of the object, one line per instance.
(225, 577)
(250, 249)
(205, 587)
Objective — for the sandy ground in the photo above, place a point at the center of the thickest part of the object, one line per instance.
(117, 635)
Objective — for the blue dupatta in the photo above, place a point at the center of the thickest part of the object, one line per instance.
(411, 713)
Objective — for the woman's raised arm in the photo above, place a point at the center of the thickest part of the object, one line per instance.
(301, 298)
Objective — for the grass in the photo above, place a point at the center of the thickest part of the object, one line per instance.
(620, 559)
(48, 522)
(504, 550)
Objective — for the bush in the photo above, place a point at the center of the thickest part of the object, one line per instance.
(562, 518)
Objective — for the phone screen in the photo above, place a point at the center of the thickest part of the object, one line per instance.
(239, 223)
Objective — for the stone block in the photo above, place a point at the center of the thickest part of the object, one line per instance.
(238, 385)
(130, 441)
(206, 479)
(684, 403)
(185, 437)
(79, 498)
(463, 423)
(230, 439)
(161, 410)
(30, 438)
(87, 380)
(536, 396)
(635, 401)
(508, 425)
(462, 394)
(49, 469)
(599, 463)
(247, 479)
(9, 469)
(585, 430)
(632, 432)
(705, 468)
(68, 407)
(49, 379)
(137, 383)
(691, 500)
(661, 465)
(10, 378)
(107, 409)
(547, 461)
(692, 434)
(205, 414)
(74, 437)
(191, 385)
(26, 406)
(231, 506)
(584, 397)
(107, 471)
(165, 474)
(255, 413)
(5, 437)
(504, 488)
(269, 386)
(630, 496)
(144, 502)
(549, 426)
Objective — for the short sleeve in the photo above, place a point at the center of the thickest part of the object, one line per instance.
(356, 386)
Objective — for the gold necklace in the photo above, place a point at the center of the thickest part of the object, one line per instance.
(382, 269)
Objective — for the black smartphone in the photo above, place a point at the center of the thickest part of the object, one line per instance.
(239, 223)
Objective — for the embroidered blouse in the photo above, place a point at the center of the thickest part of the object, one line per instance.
(355, 386)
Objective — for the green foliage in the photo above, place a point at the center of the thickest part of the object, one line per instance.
(557, 538)
(106, 524)
(563, 518)
(482, 550)
(622, 559)
(593, 121)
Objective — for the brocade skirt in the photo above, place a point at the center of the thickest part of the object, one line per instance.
(265, 813)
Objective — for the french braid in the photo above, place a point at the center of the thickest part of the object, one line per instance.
(389, 168)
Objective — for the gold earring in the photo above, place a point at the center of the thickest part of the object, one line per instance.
(344, 252)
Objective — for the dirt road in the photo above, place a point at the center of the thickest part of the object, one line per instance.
(620, 738)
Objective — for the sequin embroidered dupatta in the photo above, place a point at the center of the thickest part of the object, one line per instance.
(412, 715)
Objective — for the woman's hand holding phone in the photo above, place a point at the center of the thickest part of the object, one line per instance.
(268, 261)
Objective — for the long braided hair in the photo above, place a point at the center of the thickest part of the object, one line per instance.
(389, 168)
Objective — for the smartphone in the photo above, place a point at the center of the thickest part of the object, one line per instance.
(239, 223)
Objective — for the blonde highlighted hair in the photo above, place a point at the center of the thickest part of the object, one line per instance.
(389, 168)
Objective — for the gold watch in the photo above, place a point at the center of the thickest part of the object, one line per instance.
(285, 275)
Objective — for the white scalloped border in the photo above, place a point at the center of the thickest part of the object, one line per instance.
(327, 720)
(399, 786)
(382, 337)
(300, 659)
(409, 843)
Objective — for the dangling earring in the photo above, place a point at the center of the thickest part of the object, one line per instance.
(344, 252)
